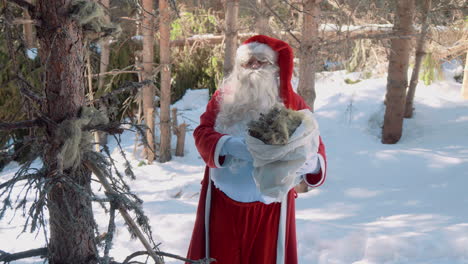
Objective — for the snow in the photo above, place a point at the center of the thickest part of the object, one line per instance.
(387, 204)
(31, 53)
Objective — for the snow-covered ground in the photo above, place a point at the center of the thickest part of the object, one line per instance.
(401, 204)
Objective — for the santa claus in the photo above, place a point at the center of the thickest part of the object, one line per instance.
(236, 222)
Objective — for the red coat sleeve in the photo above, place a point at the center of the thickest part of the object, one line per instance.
(206, 138)
(314, 179)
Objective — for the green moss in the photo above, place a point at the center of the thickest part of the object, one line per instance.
(277, 126)
(349, 81)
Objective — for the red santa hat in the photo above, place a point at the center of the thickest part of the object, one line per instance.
(285, 56)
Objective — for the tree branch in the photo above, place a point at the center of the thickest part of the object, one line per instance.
(112, 73)
(164, 254)
(131, 86)
(28, 92)
(111, 128)
(282, 22)
(390, 35)
(21, 124)
(38, 252)
(123, 211)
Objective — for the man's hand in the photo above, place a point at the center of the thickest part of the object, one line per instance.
(236, 147)
(301, 187)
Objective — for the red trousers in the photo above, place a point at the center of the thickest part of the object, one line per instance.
(242, 233)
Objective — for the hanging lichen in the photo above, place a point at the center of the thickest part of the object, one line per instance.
(93, 17)
(277, 126)
(76, 140)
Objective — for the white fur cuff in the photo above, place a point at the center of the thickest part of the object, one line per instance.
(218, 148)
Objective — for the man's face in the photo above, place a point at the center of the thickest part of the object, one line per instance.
(250, 90)
(255, 63)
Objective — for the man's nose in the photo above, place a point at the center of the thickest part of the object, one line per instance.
(255, 64)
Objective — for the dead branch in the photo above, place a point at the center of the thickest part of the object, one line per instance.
(131, 86)
(22, 21)
(366, 36)
(111, 128)
(38, 252)
(21, 124)
(450, 52)
(128, 219)
(294, 7)
(338, 35)
(17, 179)
(282, 22)
(112, 73)
(169, 255)
(28, 92)
(208, 38)
(43, 252)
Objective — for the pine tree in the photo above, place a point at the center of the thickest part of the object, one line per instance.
(308, 51)
(164, 33)
(397, 80)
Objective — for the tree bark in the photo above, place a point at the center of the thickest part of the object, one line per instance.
(465, 79)
(28, 30)
(418, 59)
(397, 80)
(232, 12)
(308, 51)
(165, 125)
(261, 19)
(147, 29)
(62, 53)
(179, 131)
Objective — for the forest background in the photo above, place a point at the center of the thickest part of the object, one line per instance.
(77, 73)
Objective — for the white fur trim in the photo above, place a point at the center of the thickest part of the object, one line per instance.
(218, 148)
(255, 49)
(323, 167)
(281, 242)
(207, 217)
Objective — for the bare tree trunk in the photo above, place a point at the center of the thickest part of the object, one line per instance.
(308, 51)
(105, 51)
(465, 79)
(261, 19)
(179, 131)
(165, 53)
(232, 11)
(139, 98)
(101, 137)
(397, 80)
(28, 30)
(89, 71)
(147, 29)
(418, 59)
(63, 54)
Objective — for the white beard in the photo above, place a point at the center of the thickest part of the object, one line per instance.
(244, 95)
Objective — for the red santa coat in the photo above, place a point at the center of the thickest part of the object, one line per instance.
(220, 206)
